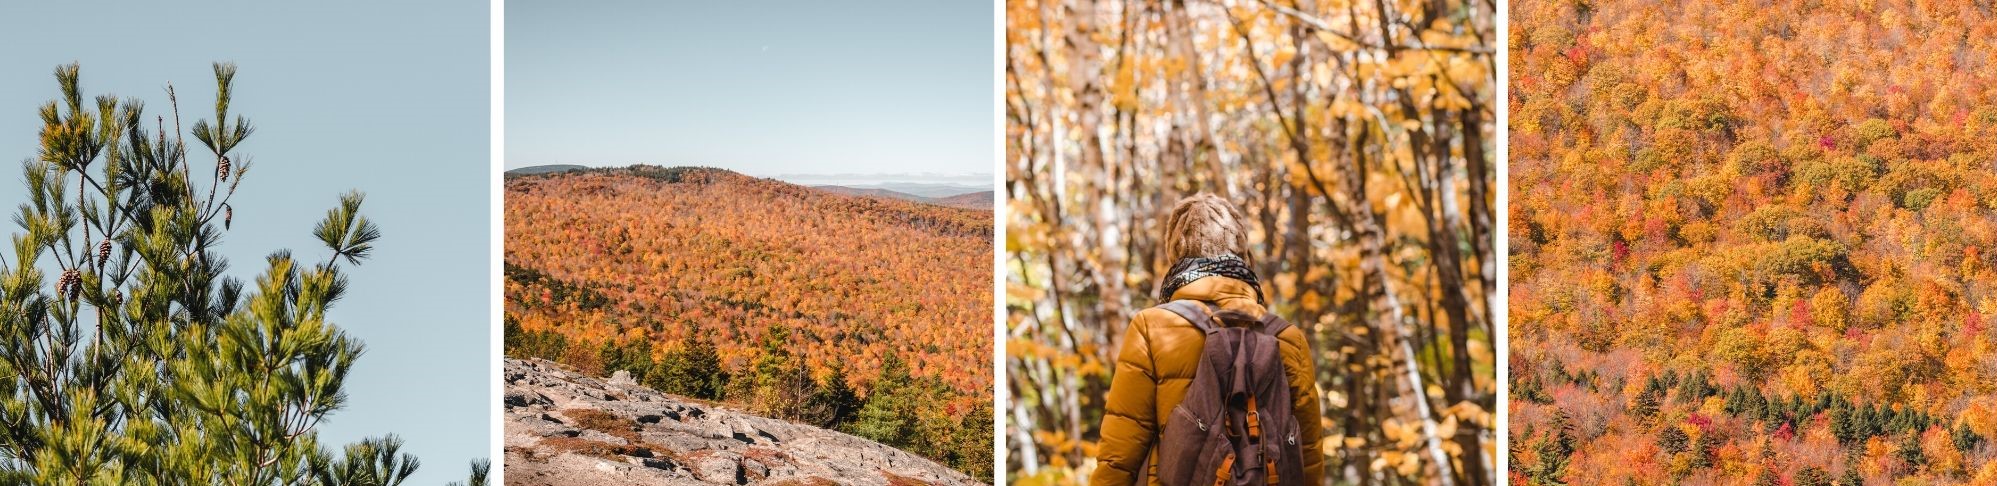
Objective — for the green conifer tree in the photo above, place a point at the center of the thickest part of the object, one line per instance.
(1910, 450)
(127, 356)
(1672, 440)
(634, 357)
(1706, 448)
(974, 442)
(836, 402)
(1645, 404)
(1851, 477)
(371, 462)
(781, 383)
(1812, 476)
(692, 369)
(1845, 424)
(886, 417)
(1965, 440)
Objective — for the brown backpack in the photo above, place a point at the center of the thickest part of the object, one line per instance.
(1235, 426)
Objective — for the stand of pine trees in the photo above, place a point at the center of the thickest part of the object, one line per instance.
(1542, 455)
(899, 410)
(127, 356)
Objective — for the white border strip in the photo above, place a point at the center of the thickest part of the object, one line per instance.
(1000, 396)
(496, 179)
(1501, 308)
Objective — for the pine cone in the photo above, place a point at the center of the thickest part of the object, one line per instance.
(104, 251)
(222, 169)
(228, 214)
(70, 284)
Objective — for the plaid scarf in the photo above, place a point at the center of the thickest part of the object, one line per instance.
(1190, 269)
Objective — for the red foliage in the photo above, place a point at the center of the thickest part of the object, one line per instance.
(1577, 54)
(1699, 420)
(1799, 315)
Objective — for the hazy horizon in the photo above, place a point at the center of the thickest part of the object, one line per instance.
(978, 179)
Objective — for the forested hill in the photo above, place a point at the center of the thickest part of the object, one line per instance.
(800, 295)
(1751, 241)
(544, 169)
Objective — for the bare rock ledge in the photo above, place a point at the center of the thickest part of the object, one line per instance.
(567, 429)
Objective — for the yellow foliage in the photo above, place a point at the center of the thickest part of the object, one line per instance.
(1092, 173)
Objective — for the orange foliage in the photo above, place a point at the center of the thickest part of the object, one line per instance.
(651, 253)
(1793, 198)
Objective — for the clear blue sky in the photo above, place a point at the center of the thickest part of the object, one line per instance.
(388, 97)
(765, 88)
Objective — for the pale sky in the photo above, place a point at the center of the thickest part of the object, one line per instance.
(765, 88)
(387, 97)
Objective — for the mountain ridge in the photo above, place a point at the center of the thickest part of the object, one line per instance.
(545, 169)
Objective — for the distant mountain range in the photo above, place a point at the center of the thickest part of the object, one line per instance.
(849, 179)
(974, 200)
(956, 197)
(918, 189)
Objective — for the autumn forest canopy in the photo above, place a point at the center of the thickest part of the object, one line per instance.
(865, 314)
(1751, 240)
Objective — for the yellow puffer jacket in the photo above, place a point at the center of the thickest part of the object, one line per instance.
(1160, 352)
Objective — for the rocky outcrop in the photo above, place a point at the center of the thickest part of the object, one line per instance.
(567, 429)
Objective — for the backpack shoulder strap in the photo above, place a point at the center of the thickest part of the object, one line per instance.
(1196, 312)
(1273, 325)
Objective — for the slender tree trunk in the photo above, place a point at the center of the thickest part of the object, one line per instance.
(1373, 262)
